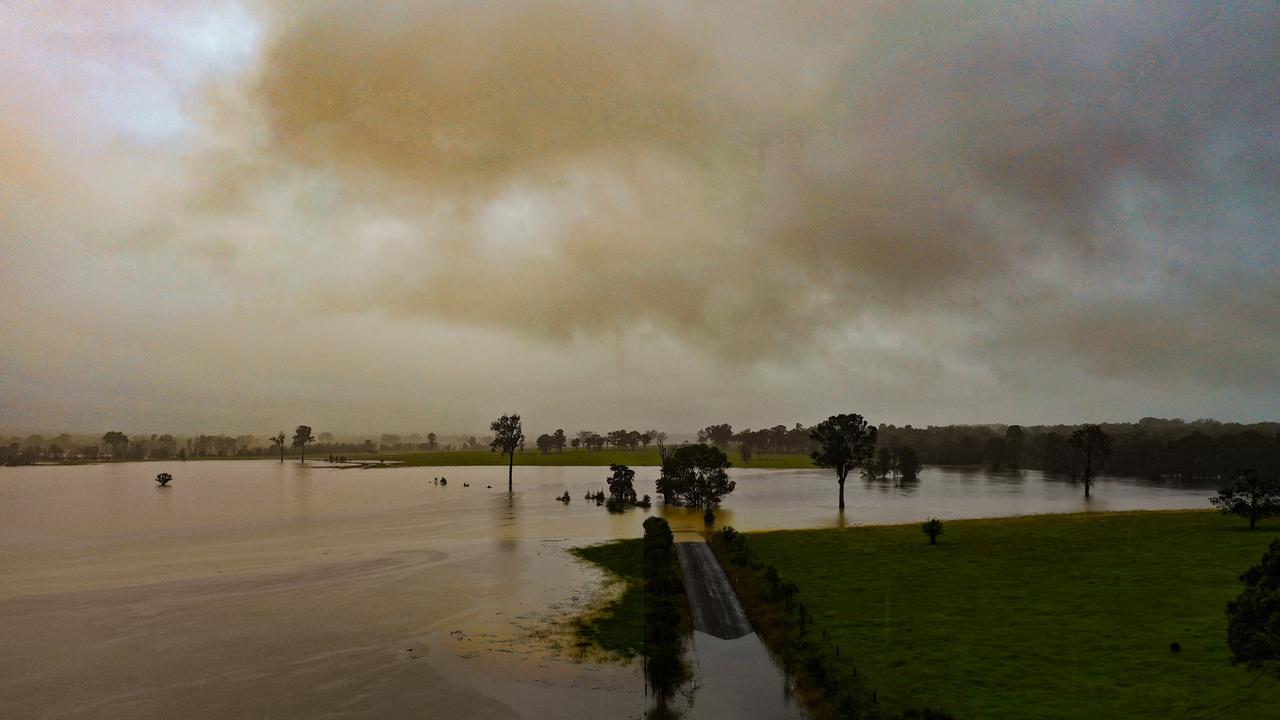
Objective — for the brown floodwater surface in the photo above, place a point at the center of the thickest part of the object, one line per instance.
(260, 589)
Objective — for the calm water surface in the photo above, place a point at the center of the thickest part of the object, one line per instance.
(260, 589)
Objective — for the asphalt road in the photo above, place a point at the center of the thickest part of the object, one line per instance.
(712, 601)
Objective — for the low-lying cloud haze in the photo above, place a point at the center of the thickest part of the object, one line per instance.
(416, 216)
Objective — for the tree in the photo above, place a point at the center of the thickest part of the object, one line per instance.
(431, 441)
(932, 528)
(887, 461)
(844, 443)
(646, 437)
(164, 479)
(1253, 618)
(695, 475)
(745, 450)
(301, 437)
(118, 442)
(545, 443)
(1252, 496)
(622, 490)
(1014, 438)
(575, 443)
(508, 436)
(277, 441)
(718, 435)
(558, 439)
(908, 463)
(1093, 447)
(326, 438)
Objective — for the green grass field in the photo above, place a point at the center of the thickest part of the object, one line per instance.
(635, 458)
(1067, 616)
(618, 626)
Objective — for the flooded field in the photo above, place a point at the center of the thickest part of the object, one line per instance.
(254, 588)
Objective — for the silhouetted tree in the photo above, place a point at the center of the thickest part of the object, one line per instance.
(845, 442)
(558, 440)
(718, 435)
(277, 441)
(1254, 616)
(1252, 496)
(508, 435)
(1093, 447)
(1014, 438)
(908, 463)
(695, 475)
(622, 491)
(164, 479)
(302, 436)
(544, 443)
(118, 442)
(932, 528)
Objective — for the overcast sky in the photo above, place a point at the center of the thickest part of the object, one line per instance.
(222, 216)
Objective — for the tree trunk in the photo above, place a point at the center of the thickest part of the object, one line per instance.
(511, 461)
(282, 454)
(933, 539)
(841, 493)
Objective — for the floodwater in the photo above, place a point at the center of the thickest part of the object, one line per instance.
(261, 589)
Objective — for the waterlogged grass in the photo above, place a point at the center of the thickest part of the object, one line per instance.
(1067, 616)
(635, 458)
(617, 627)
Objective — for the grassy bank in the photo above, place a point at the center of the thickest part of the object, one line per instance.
(617, 627)
(604, 458)
(1047, 616)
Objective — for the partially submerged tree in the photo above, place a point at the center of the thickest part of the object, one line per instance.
(622, 484)
(1252, 496)
(932, 528)
(508, 436)
(302, 436)
(908, 463)
(1253, 618)
(164, 479)
(695, 475)
(844, 442)
(1093, 447)
(277, 441)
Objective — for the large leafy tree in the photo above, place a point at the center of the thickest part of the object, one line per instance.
(1253, 618)
(908, 463)
(845, 442)
(1252, 496)
(508, 436)
(118, 442)
(302, 436)
(695, 475)
(622, 487)
(1093, 447)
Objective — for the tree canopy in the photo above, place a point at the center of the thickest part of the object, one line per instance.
(1252, 496)
(1253, 618)
(844, 442)
(695, 475)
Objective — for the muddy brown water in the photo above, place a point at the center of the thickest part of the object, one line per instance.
(260, 589)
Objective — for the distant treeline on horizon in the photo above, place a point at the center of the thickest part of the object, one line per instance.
(1151, 447)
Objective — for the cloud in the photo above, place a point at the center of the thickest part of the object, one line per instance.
(977, 194)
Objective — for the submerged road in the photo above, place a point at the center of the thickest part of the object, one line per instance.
(712, 602)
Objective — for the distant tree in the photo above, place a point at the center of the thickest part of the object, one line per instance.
(277, 441)
(695, 475)
(164, 479)
(844, 442)
(508, 436)
(745, 450)
(1252, 496)
(302, 436)
(932, 528)
(1092, 447)
(1253, 618)
(908, 463)
(118, 442)
(544, 443)
(431, 441)
(646, 437)
(718, 435)
(887, 461)
(658, 437)
(558, 439)
(575, 443)
(1014, 439)
(326, 438)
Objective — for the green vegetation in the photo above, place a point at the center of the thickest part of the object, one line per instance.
(618, 626)
(1069, 616)
(601, 458)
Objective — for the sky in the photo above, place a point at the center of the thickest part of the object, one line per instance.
(238, 216)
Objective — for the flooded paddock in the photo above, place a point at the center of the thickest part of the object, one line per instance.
(255, 588)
